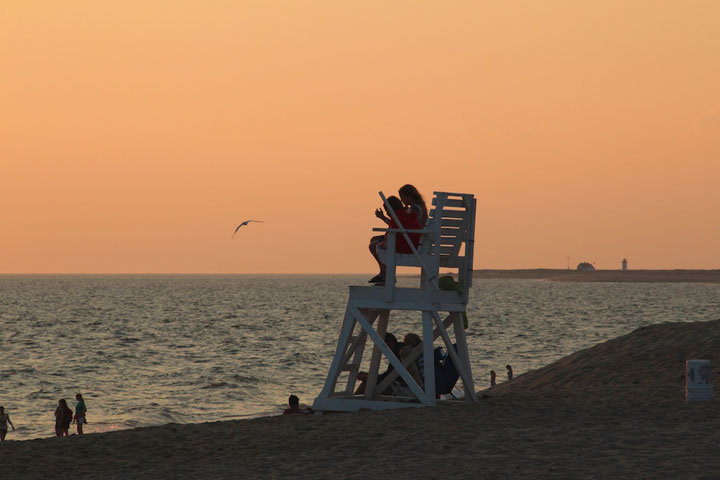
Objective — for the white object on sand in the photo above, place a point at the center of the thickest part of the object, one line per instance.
(698, 380)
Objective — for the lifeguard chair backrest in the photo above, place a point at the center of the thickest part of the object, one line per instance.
(453, 222)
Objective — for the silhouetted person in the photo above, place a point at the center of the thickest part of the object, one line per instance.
(4, 420)
(492, 378)
(392, 342)
(80, 412)
(294, 403)
(509, 372)
(408, 220)
(415, 204)
(63, 417)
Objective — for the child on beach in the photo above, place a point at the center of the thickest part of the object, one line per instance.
(294, 403)
(4, 420)
(80, 412)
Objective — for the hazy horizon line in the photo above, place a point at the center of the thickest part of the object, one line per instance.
(345, 273)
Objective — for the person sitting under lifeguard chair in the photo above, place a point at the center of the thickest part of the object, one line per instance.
(392, 342)
(409, 221)
(446, 374)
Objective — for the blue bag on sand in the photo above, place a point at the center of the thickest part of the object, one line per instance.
(446, 375)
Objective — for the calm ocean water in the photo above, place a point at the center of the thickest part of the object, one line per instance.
(149, 350)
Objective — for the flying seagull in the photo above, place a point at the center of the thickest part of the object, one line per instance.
(245, 223)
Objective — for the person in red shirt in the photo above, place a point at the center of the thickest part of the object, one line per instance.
(409, 221)
(414, 203)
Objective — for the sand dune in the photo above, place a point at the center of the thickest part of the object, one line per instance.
(652, 356)
(615, 410)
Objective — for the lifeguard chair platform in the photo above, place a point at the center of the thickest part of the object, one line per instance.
(446, 242)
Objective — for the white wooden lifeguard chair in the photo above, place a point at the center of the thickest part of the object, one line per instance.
(447, 243)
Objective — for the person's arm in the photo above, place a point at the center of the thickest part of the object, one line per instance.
(379, 213)
(8, 420)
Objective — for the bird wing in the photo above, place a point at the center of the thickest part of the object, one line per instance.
(245, 223)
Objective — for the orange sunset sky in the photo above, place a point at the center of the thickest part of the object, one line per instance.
(136, 134)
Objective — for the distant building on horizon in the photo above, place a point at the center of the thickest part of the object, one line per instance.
(624, 265)
(585, 267)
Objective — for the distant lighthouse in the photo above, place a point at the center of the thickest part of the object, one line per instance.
(624, 265)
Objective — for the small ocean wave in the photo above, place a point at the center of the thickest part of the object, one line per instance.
(16, 371)
(40, 394)
(219, 385)
(244, 379)
(163, 416)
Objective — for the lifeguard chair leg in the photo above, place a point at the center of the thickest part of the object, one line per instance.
(345, 333)
(464, 355)
(428, 352)
(376, 355)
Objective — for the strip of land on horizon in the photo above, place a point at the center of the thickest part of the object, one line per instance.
(629, 276)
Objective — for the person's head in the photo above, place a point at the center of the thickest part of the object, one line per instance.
(508, 367)
(390, 340)
(412, 339)
(62, 402)
(394, 203)
(2, 409)
(293, 401)
(78, 397)
(410, 195)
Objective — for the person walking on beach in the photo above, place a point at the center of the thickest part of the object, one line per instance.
(509, 372)
(63, 417)
(492, 378)
(4, 420)
(80, 412)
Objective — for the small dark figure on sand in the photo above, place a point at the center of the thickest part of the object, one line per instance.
(80, 413)
(294, 403)
(4, 420)
(509, 372)
(492, 378)
(63, 417)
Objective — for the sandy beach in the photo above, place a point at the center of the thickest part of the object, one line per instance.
(615, 410)
(630, 276)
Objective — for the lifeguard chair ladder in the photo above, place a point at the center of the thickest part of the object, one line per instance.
(446, 242)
